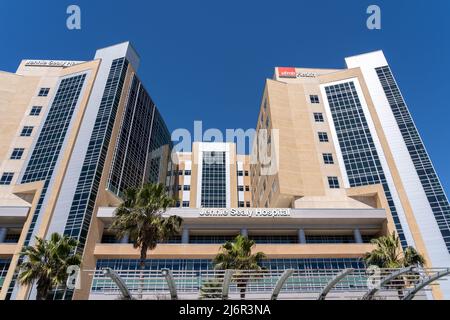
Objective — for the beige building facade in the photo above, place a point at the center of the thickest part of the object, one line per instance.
(191, 169)
(322, 181)
(334, 134)
(74, 136)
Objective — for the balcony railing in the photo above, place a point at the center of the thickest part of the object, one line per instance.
(296, 284)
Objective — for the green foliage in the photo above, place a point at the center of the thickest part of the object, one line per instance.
(46, 263)
(237, 255)
(140, 217)
(388, 254)
(211, 289)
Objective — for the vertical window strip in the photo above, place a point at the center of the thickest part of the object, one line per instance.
(419, 156)
(359, 153)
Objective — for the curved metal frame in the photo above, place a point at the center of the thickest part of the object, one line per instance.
(371, 293)
(280, 283)
(226, 283)
(426, 281)
(333, 282)
(119, 282)
(170, 283)
(414, 279)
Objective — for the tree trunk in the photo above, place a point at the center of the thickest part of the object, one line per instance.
(242, 285)
(141, 275)
(42, 289)
(400, 292)
(41, 294)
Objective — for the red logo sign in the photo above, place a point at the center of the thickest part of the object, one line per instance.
(287, 72)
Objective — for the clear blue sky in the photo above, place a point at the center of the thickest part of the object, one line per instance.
(207, 60)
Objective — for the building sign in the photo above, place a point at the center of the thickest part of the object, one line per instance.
(289, 72)
(50, 63)
(306, 75)
(246, 213)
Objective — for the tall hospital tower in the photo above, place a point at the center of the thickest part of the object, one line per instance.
(343, 164)
(346, 129)
(73, 136)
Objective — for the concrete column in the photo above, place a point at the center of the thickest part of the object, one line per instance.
(301, 236)
(125, 239)
(3, 232)
(185, 236)
(244, 232)
(358, 237)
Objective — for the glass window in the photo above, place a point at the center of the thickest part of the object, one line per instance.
(26, 131)
(17, 153)
(187, 172)
(357, 146)
(43, 92)
(318, 117)
(333, 182)
(186, 187)
(6, 178)
(240, 188)
(328, 158)
(323, 137)
(240, 173)
(247, 204)
(185, 204)
(314, 98)
(241, 204)
(35, 111)
(213, 192)
(422, 162)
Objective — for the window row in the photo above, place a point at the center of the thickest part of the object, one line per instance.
(26, 131)
(241, 173)
(17, 153)
(244, 204)
(6, 178)
(43, 92)
(184, 204)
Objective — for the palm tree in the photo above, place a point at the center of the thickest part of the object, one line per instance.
(237, 255)
(211, 288)
(140, 218)
(389, 254)
(46, 263)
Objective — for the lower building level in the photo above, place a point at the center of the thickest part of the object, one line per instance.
(315, 241)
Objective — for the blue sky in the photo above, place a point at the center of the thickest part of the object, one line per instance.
(207, 60)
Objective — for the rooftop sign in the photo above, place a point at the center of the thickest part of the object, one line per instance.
(290, 72)
(246, 213)
(50, 63)
(287, 72)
